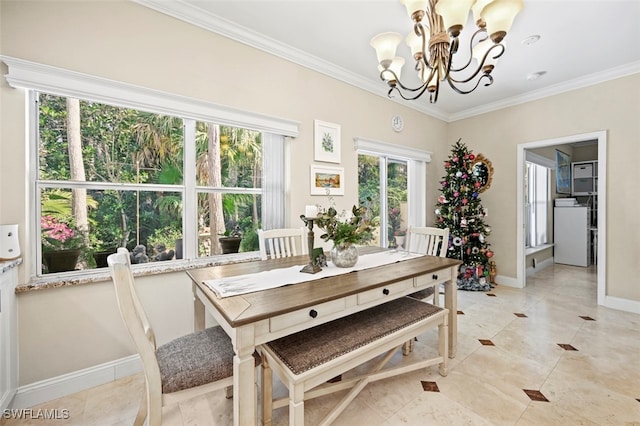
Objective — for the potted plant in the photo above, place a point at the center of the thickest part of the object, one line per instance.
(62, 244)
(230, 241)
(345, 230)
(400, 236)
(102, 251)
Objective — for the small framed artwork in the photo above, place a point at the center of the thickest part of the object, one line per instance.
(563, 173)
(327, 180)
(326, 141)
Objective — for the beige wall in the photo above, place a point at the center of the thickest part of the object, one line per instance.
(63, 330)
(613, 106)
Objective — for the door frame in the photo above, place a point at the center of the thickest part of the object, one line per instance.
(601, 137)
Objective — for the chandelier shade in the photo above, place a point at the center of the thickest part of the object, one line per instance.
(499, 16)
(434, 42)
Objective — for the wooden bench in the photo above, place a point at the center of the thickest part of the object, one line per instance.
(305, 361)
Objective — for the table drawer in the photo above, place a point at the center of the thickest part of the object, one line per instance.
(313, 313)
(385, 292)
(435, 278)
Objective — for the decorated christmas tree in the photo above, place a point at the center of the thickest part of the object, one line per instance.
(459, 209)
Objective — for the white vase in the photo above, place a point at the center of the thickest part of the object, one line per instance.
(344, 255)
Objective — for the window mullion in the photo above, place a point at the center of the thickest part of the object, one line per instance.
(190, 198)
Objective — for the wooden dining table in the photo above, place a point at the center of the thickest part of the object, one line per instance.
(257, 317)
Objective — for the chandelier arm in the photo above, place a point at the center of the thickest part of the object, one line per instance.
(465, 92)
(480, 66)
(396, 84)
(481, 30)
(419, 29)
(420, 90)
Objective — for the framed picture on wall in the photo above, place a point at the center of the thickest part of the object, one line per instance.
(326, 142)
(563, 173)
(327, 180)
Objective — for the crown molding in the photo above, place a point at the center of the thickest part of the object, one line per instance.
(556, 89)
(204, 19)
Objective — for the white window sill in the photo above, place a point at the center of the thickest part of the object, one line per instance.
(151, 268)
(532, 250)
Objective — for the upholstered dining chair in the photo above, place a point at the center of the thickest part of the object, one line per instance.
(283, 242)
(185, 367)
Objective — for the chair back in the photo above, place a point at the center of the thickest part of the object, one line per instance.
(133, 315)
(428, 240)
(284, 242)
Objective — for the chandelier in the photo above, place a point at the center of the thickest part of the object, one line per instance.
(434, 41)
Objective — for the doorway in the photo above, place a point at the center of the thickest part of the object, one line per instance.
(601, 138)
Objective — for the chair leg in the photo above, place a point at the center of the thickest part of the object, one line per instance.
(142, 410)
(154, 406)
(266, 382)
(436, 295)
(443, 346)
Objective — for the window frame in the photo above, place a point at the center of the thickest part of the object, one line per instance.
(549, 165)
(34, 77)
(417, 161)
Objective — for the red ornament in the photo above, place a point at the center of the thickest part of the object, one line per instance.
(489, 254)
(477, 184)
(471, 157)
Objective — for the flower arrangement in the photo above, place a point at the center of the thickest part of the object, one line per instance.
(58, 235)
(355, 227)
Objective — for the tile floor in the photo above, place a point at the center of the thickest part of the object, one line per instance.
(544, 355)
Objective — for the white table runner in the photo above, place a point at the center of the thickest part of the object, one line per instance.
(241, 284)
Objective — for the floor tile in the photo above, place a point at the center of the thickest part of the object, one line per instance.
(550, 337)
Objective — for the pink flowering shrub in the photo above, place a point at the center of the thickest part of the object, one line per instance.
(58, 235)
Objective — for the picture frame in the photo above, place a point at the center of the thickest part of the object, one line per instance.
(326, 142)
(563, 172)
(327, 180)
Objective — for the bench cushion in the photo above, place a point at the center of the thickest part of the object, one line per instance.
(310, 348)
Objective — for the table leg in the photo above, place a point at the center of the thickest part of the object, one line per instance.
(198, 312)
(245, 405)
(451, 303)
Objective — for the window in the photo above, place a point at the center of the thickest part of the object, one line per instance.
(384, 180)
(111, 177)
(394, 177)
(159, 197)
(536, 204)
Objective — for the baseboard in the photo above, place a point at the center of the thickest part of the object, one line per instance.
(540, 266)
(508, 281)
(626, 305)
(66, 384)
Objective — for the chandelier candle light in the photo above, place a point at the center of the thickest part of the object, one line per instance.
(434, 41)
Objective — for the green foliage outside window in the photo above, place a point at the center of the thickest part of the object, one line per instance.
(123, 145)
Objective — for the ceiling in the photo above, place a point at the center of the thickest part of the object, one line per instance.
(581, 43)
